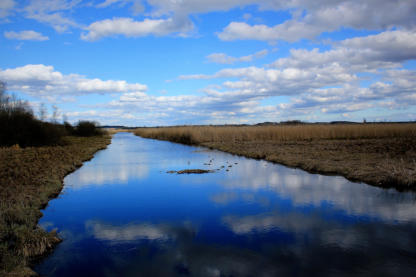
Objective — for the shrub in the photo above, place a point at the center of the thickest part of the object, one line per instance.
(87, 129)
(69, 129)
(23, 129)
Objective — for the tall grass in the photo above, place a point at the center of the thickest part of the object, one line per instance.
(201, 134)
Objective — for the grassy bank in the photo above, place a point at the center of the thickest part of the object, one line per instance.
(29, 177)
(377, 154)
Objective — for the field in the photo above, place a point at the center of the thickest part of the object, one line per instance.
(378, 154)
(29, 177)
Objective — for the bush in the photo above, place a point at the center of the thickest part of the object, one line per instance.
(69, 129)
(87, 129)
(23, 129)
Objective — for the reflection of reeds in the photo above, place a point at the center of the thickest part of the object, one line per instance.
(29, 177)
(199, 134)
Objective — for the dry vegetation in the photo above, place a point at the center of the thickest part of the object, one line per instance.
(29, 177)
(378, 154)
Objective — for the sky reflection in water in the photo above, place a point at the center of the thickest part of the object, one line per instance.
(121, 214)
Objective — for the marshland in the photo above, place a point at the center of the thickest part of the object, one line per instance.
(205, 200)
(207, 138)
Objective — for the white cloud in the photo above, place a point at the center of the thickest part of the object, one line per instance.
(41, 80)
(25, 35)
(166, 7)
(137, 6)
(5, 7)
(363, 54)
(107, 3)
(290, 31)
(52, 12)
(327, 81)
(164, 17)
(225, 59)
(326, 16)
(287, 81)
(97, 85)
(130, 28)
(392, 46)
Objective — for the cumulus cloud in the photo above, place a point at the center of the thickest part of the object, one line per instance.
(328, 81)
(25, 35)
(287, 81)
(41, 80)
(308, 19)
(290, 31)
(385, 50)
(164, 17)
(223, 58)
(325, 16)
(240, 101)
(130, 28)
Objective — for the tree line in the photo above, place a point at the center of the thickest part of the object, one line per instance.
(19, 125)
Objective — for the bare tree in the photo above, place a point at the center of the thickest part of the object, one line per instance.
(64, 118)
(55, 114)
(9, 104)
(4, 99)
(42, 113)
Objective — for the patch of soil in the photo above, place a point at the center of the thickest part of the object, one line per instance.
(191, 171)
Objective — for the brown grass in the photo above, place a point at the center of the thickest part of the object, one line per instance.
(29, 177)
(378, 154)
(201, 134)
(112, 131)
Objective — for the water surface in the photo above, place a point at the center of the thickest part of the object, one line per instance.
(122, 214)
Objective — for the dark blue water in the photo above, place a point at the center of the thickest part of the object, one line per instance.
(122, 214)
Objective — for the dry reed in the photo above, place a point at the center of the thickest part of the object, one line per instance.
(202, 134)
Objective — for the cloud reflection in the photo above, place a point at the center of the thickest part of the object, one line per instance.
(116, 166)
(320, 246)
(126, 233)
(119, 173)
(304, 189)
(324, 232)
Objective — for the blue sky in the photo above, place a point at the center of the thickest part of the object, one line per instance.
(169, 62)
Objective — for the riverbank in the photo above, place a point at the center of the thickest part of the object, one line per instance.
(377, 154)
(29, 178)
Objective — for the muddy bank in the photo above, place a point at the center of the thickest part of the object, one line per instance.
(191, 171)
(29, 178)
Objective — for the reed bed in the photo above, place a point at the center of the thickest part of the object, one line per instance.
(203, 134)
(378, 154)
